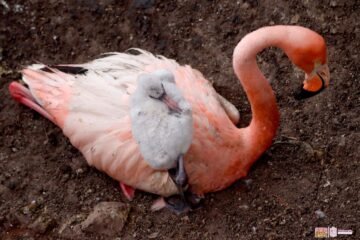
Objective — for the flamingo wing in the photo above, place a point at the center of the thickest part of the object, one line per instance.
(92, 108)
(90, 102)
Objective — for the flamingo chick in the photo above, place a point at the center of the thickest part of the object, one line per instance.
(161, 122)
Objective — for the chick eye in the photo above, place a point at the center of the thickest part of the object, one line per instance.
(157, 93)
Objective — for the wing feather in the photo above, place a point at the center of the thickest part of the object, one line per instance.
(92, 108)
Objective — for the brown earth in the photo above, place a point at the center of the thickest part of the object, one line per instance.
(313, 164)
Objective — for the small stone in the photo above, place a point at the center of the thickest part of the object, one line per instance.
(342, 141)
(65, 177)
(245, 5)
(153, 235)
(327, 184)
(71, 227)
(333, 3)
(295, 19)
(43, 224)
(5, 5)
(79, 171)
(318, 154)
(248, 182)
(18, 8)
(31, 208)
(244, 207)
(320, 214)
(185, 219)
(107, 218)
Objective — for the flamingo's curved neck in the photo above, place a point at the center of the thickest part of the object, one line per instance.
(257, 137)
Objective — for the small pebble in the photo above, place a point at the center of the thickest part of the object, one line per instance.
(320, 214)
(248, 182)
(342, 142)
(79, 171)
(245, 5)
(185, 218)
(244, 207)
(43, 224)
(295, 19)
(153, 235)
(18, 8)
(327, 184)
(107, 218)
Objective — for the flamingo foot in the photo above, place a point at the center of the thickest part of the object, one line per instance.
(128, 191)
(177, 203)
(24, 96)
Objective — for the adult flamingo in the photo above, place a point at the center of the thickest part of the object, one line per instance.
(77, 96)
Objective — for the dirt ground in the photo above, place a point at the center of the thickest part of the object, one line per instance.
(309, 177)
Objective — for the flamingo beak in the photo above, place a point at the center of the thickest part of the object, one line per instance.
(172, 105)
(314, 83)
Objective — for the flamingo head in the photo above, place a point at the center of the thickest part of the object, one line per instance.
(311, 56)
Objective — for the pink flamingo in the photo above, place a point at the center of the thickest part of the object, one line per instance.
(90, 102)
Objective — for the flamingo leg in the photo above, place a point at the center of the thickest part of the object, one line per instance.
(230, 109)
(177, 203)
(184, 201)
(128, 191)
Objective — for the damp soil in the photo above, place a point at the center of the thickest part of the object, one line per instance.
(308, 178)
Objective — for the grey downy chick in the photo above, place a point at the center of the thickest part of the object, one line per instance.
(162, 124)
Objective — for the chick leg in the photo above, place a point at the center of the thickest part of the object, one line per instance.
(184, 201)
(177, 203)
(178, 174)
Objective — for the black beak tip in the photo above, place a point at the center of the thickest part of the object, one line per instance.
(303, 94)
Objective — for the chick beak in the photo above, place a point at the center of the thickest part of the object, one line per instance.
(172, 105)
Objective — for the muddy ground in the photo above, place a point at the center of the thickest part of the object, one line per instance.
(308, 178)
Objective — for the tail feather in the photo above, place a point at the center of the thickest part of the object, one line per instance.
(23, 95)
(48, 92)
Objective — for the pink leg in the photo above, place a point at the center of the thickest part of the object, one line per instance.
(128, 191)
(24, 96)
